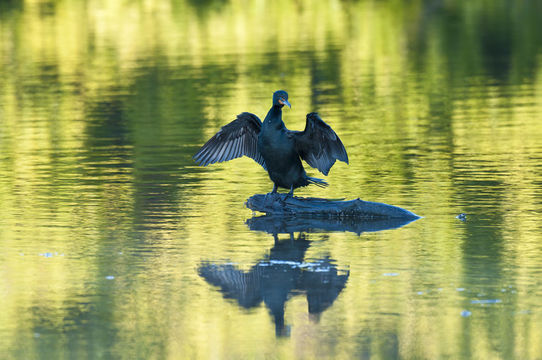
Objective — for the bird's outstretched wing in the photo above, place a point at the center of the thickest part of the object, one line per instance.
(234, 283)
(238, 138)
(318, 144)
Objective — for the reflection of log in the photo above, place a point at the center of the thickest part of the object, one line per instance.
(286, 224)
(324, 208)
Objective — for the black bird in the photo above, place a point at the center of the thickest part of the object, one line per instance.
(276, 148)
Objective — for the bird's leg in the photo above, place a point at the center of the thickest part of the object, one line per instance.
(291, 192)
(274, 191)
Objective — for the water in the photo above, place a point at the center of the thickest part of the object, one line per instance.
(115, 245)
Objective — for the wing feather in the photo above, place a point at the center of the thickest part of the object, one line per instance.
(227, 152)
(319, 145)
(220, 153)
(236, 147)
(238, 138)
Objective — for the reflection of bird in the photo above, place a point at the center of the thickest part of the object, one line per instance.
(274, 279)
(276, 148)
(323, 286)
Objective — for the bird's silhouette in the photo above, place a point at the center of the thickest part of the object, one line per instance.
(276, 148)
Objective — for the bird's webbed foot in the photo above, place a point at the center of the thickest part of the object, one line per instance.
(290, 194)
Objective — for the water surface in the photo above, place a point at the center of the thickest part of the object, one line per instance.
(116, 245)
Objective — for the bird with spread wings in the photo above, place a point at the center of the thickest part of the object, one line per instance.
(277, 149)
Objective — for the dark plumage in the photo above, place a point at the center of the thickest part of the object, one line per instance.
(276, 148)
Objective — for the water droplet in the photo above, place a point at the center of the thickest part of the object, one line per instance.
(110, 277)
(486, 301)
(462, 217)
(390, 274)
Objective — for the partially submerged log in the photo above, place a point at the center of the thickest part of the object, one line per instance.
(280, 204)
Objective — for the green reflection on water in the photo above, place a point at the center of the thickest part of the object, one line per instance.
(105, 218)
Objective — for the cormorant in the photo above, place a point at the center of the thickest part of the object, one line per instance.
(276, 148)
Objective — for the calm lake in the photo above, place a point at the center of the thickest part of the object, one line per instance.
(116, 245)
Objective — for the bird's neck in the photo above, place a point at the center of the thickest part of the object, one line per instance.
(274, 117)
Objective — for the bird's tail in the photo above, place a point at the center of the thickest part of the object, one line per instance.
(318, 182)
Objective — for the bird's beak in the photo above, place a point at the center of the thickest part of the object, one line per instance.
(285, 102)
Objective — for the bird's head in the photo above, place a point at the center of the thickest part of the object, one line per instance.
(280, 98)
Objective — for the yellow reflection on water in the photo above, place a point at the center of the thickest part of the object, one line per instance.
(105, 218)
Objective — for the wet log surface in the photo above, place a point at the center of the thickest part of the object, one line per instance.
(280, 204)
